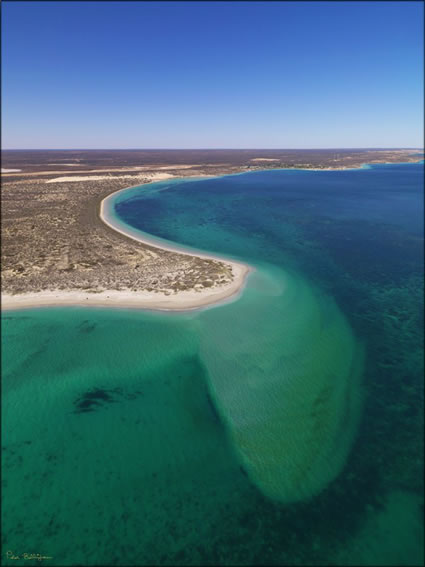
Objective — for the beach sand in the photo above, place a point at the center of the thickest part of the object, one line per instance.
(175, 301)
(170, 300)
(152, 176)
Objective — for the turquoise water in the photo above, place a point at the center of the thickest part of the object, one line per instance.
(282, 428)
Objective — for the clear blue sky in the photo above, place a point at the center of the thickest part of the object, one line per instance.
(212, 74)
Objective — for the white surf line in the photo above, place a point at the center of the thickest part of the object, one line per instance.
(239, 269)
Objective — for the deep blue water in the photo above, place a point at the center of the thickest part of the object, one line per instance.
(364, 223)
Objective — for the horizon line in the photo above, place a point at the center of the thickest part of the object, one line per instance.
(217, 149)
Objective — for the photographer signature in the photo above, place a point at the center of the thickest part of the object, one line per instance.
(27, 556)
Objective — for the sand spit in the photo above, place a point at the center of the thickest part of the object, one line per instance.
(168, 300)
(180, 301)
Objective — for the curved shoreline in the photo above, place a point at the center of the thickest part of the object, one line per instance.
(187, 300)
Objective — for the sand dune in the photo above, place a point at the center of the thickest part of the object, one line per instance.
(153, 176)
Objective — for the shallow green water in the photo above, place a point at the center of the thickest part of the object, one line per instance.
(127, 480)
(141, 438)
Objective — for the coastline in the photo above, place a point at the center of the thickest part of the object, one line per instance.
(181, 301)
(184, 300)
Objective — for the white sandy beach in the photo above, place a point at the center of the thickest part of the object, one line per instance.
(180, 301)
(172, 301)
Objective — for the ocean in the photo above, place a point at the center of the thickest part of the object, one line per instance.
(284, 427)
